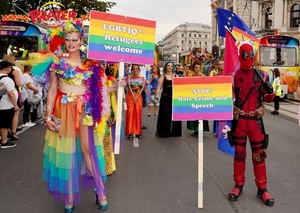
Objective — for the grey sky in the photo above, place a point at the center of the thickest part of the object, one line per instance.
(167, 13)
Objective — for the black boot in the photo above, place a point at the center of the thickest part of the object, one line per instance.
(265, 196)
(235, 193)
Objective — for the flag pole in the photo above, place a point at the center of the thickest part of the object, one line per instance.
(215, 6)
(230, 33)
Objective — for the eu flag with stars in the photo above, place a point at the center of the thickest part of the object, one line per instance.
(230, 20)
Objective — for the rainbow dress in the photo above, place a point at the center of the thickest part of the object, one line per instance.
(65, 171)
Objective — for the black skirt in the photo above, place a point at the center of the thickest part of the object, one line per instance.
(6, 116)
(165, 126)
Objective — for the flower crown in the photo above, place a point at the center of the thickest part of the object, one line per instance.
(54, 38)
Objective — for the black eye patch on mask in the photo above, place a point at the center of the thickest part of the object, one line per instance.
(245, 54)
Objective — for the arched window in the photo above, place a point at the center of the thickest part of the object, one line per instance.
(268, 20)
(295, 15)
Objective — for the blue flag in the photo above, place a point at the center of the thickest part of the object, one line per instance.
(223, 144)
(230, 20)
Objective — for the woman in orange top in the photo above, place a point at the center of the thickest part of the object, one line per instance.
(134, 101)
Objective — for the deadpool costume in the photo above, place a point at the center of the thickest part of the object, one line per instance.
(250, 90)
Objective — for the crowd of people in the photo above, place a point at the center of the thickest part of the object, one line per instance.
(80, 113)
(19, 76)
(8, 103)
(77, 125)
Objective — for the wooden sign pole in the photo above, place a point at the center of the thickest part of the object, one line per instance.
(200, 164)
(119, 111)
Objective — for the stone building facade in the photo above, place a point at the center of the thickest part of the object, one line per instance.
(178, 43)
(283, 15)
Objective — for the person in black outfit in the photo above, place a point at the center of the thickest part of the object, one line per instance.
(165, 126)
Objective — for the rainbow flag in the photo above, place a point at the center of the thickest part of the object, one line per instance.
(202, 98)
(241, 35)
(121, 38)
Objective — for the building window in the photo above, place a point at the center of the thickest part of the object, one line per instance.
(295, 15)
(199, 42)
(190, 35)
(268, 20)
(190, 42)
(182, 35)
(195, 35)
(200, 35)
(182, 42)
(181, 49)
(206, 43)
(205, 36)
(195, 42)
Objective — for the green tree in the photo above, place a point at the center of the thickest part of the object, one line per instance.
(6, 7)
(82, 7)
(160, 56)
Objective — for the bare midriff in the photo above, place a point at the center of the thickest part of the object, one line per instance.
(74, 89)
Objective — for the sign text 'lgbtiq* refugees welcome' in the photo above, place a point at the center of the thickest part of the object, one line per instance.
(121, 38)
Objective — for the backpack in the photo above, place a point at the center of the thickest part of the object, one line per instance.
(1, 84)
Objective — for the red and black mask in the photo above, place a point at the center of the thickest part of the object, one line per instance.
(246, 56)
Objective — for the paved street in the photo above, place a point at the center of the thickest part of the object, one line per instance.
(160, 176)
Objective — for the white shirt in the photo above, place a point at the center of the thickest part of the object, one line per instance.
(27, 79)
(9, 84)
(22, 80)
(39, 87)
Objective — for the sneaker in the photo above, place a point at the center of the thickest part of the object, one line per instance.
(29, 124)
(275, 113)
(32, 123)
(7, 145)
